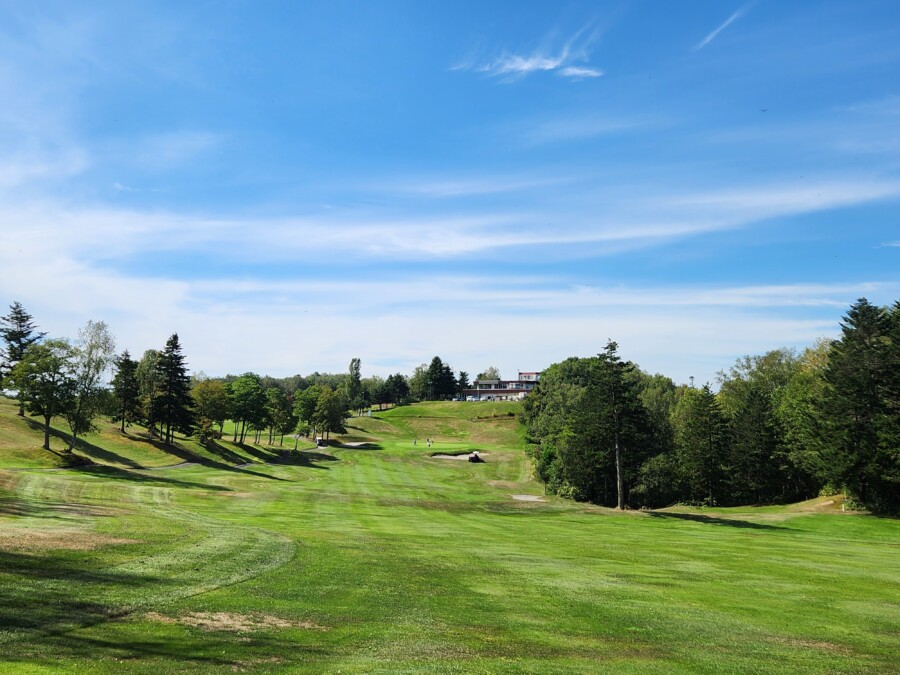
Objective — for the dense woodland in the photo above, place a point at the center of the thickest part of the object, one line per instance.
(782, 426)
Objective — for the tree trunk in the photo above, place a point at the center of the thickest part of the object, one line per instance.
(620, 481)
(46, 432)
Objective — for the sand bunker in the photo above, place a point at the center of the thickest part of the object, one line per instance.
(527, 498)
(241, 623)
(464, 457)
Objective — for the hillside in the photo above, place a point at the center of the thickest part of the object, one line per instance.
(373, 555)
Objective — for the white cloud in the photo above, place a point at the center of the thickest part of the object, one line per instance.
(29, 167)
(398, 323)
(714, 34)
(577, 72)
(568, 60)
(614, 217)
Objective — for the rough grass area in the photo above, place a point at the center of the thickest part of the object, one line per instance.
(380, 559)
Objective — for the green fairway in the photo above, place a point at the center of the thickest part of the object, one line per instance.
(374, 556)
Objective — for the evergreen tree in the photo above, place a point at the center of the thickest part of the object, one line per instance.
(399, 388)
(126, 390)
(590, 427)
(18, 332)
(172, 405)
(857, 405)
(354, 385)
(701, 439)
(462, 382)
(620, 405)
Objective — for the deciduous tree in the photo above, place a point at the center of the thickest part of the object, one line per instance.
(45, 379)
(94, 352)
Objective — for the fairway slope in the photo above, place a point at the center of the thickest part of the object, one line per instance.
(379, 558)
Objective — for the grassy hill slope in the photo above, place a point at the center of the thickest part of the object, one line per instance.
(384, 559)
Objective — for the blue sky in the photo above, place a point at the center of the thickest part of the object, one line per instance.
(289, 185)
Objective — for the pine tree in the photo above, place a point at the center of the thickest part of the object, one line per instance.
(701, 439)
(626, 417)
(126, 390)
(172, 405)
(857, 403)
(18, 332)
(354, 385)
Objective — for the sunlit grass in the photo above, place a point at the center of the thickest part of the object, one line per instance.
(385, 559)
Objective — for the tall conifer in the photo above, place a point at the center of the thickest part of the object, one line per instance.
(172, 405)
(18, 332)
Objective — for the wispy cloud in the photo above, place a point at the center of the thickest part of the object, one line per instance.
(578, 128)
(715, 33)
(569, 60)
(169, 149)
(888, 106)
(615, 220)
(891, 244)
(576, 72)
(466, 187)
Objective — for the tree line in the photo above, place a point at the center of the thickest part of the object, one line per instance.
(57, 377)
(782, 427)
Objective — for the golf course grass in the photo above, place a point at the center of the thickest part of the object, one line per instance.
(372, 556)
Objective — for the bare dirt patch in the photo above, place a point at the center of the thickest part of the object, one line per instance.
(228, 621)
(527, 498)
(26, 539)
(820, 645)
(505, 484)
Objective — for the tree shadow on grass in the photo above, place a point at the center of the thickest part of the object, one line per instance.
(305, 458)
(188, 456)
(43, 508)
(43, 598)
(367, 445)
(712, 520)
(51, 593)
(258, 452)
(154, 479)
(88, 451)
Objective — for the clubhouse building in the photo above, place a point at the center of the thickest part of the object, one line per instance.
(503, 390)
